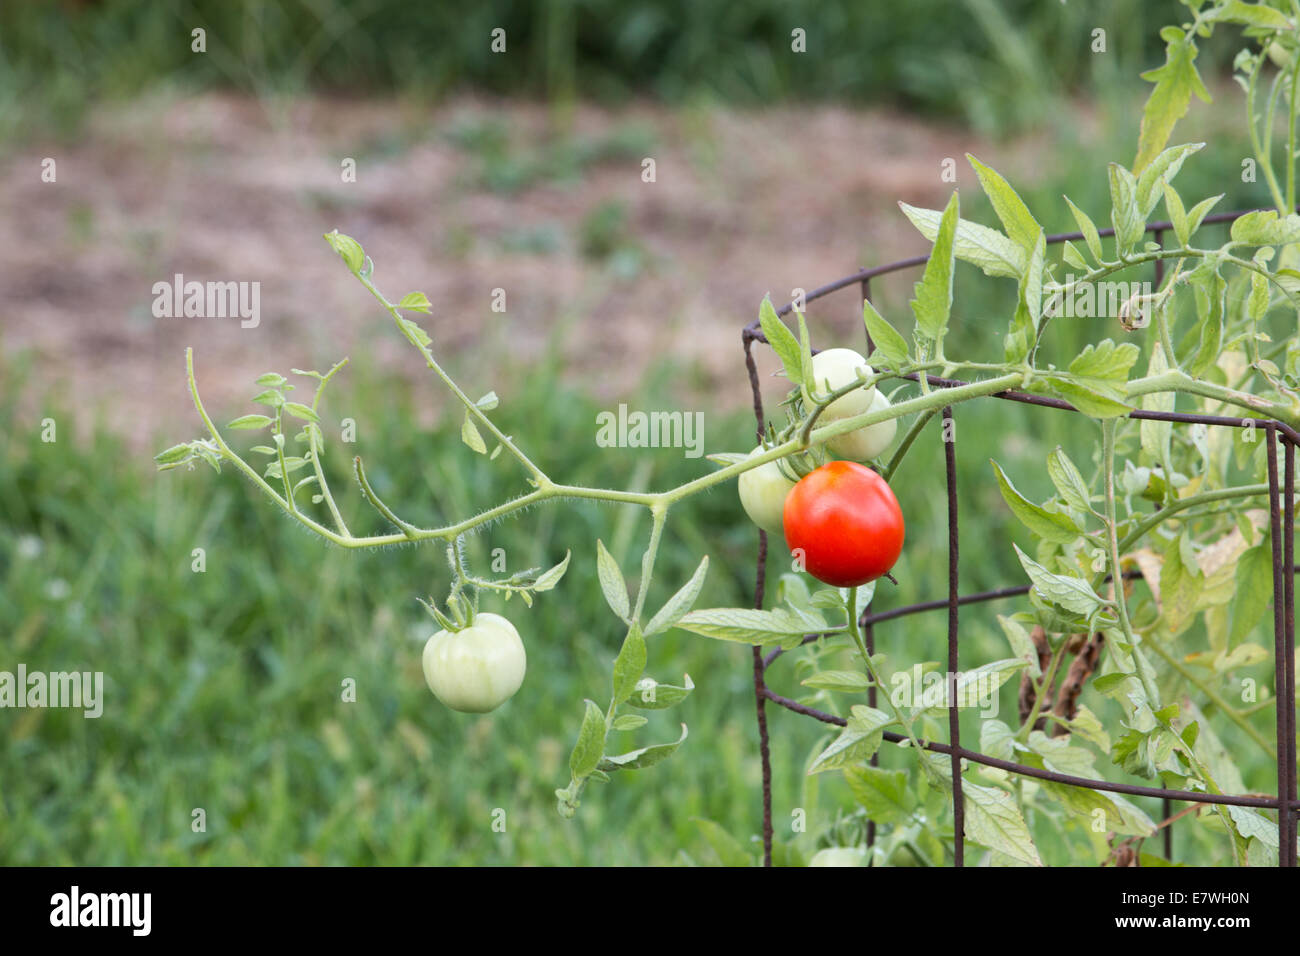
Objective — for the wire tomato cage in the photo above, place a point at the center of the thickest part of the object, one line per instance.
(1282, 534)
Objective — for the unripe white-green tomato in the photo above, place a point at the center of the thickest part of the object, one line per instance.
(839, 856)
(762, 494)
(478, 668)
(835, 368)
(868, 442)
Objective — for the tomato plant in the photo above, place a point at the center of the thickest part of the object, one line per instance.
(846, 522)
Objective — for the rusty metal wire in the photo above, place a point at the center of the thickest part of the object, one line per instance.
(1282, 533)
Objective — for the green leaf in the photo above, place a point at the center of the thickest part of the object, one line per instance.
(591, 742)
(416, 335)
(300, 411)
(849, 682)
(1264, 228)
(994, 821)
(730, 851)
(1087, 726)
(348, 248)
(250, 422)
(933, 300)
(997, 739)
(1156, 435)
(782, 340)
(1070, 593)
(1068, 480)
(805, 353)
(1022, 645)
(1159, 173)
(415, 302)
(1086, 397)
(1199, 212)
(1175, 82)
(1072, 256)
(679, 603)
(551, 577)
(1048, 525)
(1211, 290)
(977, 687)
(859, 739)
(1125, 215)
(748, 626)
(611, 582)
(651, 695)
(1088, 228)
(1250, 823)
(630, 722)
(469, 434)
(1253, 580)
(1031, 286)
(1180, 584)
(291, 465)
(1020, 225)
(1097, 377)
(643, 757)
(270, 380)
(629, 665)
(1105, 361)
(888, 342)
(1177, 215)
(174, 455)
(882, 793)
(1120, 815)
(979, 245)
(1253, 15)
(270, 397)
(1257, 304)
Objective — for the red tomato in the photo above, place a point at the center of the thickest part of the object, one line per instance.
(846, 520)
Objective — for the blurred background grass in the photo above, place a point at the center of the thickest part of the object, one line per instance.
(993, 63)
(223, 687)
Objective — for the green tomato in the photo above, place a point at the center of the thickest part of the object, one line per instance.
(762, 494)
(478, 668)
(836, 368)
(865, 443)
(840, 856)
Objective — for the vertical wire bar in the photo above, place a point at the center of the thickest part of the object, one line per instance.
(1284, 816)
(760, 582)
(869, 631)
(1288, 611)
(1167, 806)
(866, 297)
(954, 725)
